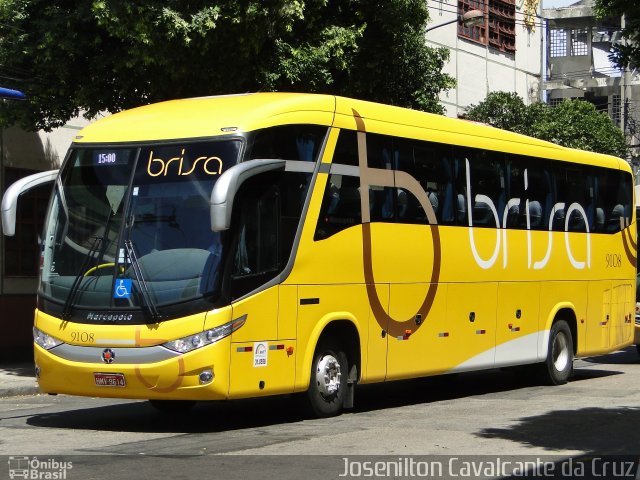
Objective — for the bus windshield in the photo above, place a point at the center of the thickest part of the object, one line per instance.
(129, 227)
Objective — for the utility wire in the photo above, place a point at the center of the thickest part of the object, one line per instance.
(535, 23)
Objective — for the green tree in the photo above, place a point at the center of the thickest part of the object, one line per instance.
(504, 110)
(72, 56)
(572, 123)
(627, 53)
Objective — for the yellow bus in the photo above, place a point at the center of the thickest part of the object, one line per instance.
(271, 243)
(637, 328)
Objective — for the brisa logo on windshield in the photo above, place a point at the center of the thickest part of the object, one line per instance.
(176, 165)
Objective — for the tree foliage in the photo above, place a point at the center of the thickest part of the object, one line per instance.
(72, 56)
(504, 110)
(627, 53)
(572, 123)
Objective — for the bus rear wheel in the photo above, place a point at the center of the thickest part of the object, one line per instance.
(557, 368)
(328, 383)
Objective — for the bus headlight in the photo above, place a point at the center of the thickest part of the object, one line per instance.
(45, 341)
(192, 342)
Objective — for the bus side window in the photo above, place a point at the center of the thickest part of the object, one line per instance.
(460, 188)
(288, 142)
(340, 206)
(487, 179)
(346, 151)
(539, 194)
(256, 245)
(429, 163)
(380, 155)
(573, 189)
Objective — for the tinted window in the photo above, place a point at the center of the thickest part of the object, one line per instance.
(530, 193)
(430, 164)
(613, 200)
(270, 207)
(289, 142)
(341, 202)
(571, 188)
(340, 206)
(503, 190)
(486, 180)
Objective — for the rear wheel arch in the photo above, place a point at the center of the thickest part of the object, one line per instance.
(566, 312)
(560, 348)
(568, 315)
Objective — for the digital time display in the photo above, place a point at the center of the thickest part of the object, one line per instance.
(106, 158)
(109, 157)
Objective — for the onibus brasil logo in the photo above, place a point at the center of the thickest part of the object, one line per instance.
(33, 468)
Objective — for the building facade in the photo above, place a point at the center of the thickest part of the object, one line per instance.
(503, 53)
(578, 67)
(23, 153)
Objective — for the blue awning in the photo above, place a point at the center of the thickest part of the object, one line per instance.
(9, 93)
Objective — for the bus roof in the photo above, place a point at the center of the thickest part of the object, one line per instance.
(209, 116)
(229, 114)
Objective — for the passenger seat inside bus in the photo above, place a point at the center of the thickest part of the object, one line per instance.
(613, 224)
(461, 210)
(535, 215)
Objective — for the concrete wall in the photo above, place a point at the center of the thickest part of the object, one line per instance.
(480, 69)
(592, 77)
(33, 151)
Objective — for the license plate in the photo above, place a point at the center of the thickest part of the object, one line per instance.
(109, 379)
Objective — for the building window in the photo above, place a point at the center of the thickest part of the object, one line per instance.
(499, 31)
(579, 42)
(554, 102)
(557, 42)
(477, 33)
(21, 252)
(616, 109)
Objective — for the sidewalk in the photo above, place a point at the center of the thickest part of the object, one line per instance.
(17, 379)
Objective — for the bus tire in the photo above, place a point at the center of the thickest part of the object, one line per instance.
(638, 349)
(173, 406)
(558, 366)
(328, 382)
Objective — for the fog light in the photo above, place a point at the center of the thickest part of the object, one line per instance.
(37, 371)
(206, 376)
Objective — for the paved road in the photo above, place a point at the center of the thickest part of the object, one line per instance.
(497, 413)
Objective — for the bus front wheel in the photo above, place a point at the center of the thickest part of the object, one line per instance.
(557, 368)
(328, 383)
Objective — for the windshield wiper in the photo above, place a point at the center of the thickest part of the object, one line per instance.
(142, 283)
(73, 291)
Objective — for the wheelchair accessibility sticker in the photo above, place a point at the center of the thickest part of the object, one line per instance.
(122, 288)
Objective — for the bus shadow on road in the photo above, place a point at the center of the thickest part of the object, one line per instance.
(456, 386)
(628, 356)
(600, 431)
(140, 416)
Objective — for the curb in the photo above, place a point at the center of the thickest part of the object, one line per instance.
(18, 379)
(19, 391)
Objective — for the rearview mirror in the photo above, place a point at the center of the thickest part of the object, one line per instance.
(10, 198)
(226, 187)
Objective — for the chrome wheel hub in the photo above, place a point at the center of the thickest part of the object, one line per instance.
(328, 375)
(560, 352)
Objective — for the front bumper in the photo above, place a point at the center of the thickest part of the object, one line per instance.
(177, 377)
